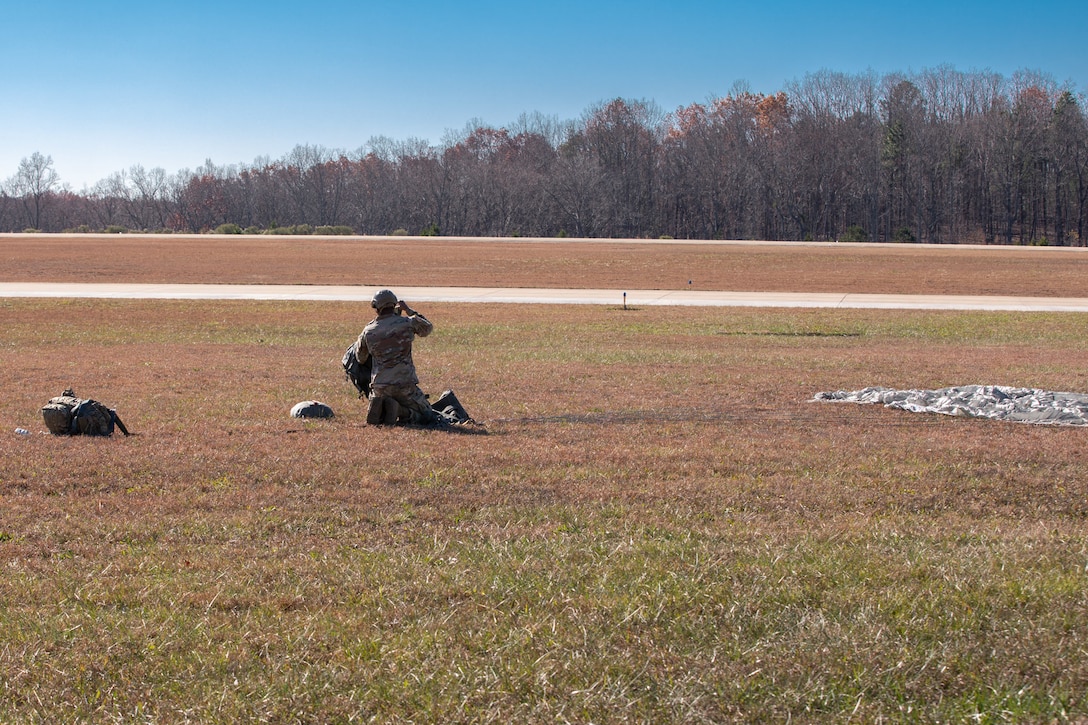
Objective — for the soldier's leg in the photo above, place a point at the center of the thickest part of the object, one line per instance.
(375, 410)
(412, 399)
(390, 412)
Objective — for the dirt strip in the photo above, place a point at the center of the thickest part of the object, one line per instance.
(546, 264)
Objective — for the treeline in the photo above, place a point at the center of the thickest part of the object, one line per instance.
(941, 156)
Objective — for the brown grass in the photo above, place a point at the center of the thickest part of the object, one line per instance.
(653, 523)
(874, 268)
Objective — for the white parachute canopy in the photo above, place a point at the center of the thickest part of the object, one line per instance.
(998, 402)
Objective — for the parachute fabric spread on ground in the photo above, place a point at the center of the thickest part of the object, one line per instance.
(1019, 405)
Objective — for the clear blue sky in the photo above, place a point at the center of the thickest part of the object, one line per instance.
(102, 86)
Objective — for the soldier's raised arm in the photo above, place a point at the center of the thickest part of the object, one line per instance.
(420, 324)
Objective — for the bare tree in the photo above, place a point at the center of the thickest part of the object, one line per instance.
(623, 137)
(1069, 167)
(34, 182)
(110, 195)
(7, 208)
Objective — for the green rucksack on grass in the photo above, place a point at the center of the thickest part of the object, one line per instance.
(68, 415)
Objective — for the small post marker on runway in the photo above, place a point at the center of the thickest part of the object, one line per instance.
(625, 300)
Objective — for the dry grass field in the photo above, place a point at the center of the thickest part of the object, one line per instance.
(651, 524)
(423, 261)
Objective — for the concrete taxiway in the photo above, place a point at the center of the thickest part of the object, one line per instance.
(616, 298)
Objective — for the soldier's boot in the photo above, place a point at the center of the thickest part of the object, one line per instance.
(375, 409)
(390, 411)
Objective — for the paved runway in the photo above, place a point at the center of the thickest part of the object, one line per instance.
(617, 298)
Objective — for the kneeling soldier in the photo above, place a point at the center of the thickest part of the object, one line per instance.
(387, 343)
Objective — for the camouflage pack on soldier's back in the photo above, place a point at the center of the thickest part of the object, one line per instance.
(359, 375)
(68, 415)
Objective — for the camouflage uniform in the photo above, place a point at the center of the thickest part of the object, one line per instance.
(387, 341)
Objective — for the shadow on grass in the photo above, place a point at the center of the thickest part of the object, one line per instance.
(740, 415)
(471, 429)
(773, 333)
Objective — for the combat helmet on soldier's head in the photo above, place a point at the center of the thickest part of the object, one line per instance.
(382, 299)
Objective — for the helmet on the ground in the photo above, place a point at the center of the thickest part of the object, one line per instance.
(382, 299)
